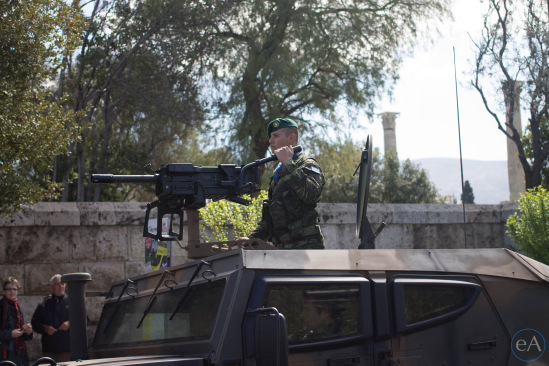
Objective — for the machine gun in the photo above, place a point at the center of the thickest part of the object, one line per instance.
(184, 186)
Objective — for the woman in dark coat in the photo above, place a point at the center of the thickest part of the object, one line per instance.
(13, 330)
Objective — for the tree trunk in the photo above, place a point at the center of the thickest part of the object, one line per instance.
(81, 170)
(106, 134)
(254, 123)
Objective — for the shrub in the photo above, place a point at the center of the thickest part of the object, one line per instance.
(228, 220)
(529, 228)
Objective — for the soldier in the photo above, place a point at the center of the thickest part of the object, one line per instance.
(289, 217)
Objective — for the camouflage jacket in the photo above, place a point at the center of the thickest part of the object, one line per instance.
(289, 217)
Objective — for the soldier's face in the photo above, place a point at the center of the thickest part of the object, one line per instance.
(281, 138)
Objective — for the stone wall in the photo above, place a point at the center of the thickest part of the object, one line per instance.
(105, 240)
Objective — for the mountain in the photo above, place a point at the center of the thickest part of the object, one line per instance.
(487, 178)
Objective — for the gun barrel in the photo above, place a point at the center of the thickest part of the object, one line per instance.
(110, 178)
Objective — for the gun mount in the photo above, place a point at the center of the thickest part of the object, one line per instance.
(184, 186)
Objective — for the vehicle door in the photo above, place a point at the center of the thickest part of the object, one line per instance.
(328, 319)
(442, 320)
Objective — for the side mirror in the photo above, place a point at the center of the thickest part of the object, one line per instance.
(266, 337)
(364, 229)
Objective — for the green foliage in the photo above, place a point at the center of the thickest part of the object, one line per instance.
(391, 181)
(135, 81)
(35, 38)
(221, 216)
(467, 196)
(396, 182)
(338, 161)
(135, 78)
(529, 228)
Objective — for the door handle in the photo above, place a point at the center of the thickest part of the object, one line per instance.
(345, 361)
(481, 345)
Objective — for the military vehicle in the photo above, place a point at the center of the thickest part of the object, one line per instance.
(331, 307)
(263, 306)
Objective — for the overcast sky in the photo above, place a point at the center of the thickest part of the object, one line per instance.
(425, 97)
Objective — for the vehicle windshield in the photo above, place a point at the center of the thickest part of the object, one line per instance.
(193, 321)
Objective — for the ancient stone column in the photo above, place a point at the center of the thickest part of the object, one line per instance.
(511, 96)
(389, 134)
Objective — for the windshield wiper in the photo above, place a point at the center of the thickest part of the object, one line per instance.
(186, 291)
(124, 289)
(153, 297)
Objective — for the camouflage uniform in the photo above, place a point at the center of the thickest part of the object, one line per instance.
(289, 218)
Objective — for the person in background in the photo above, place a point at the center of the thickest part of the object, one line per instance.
(13, 330)
(51, 319)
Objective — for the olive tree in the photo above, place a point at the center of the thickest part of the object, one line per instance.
(35, 39)
(306, 60)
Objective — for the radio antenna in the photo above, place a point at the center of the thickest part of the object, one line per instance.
(460, 155)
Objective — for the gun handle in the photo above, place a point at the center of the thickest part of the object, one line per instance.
(274, 157)
(162, 211)
(173, 234)
(242, 183)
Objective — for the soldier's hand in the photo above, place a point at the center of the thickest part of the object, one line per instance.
(284, 154)
(242, 241)
(49, 330)
(64, 326)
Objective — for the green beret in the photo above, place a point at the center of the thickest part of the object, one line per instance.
(280, 123)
